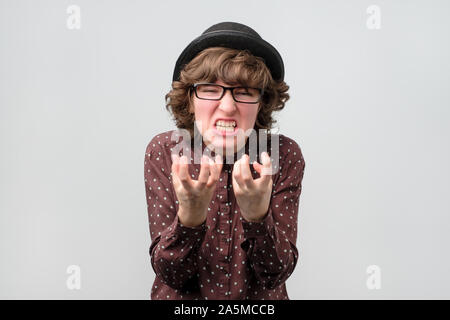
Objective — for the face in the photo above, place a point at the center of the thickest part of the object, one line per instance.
(208, 112)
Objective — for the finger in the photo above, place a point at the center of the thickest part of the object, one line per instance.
(266, 170)
(214, 174)
(175, 166)
(257, 166)
(204, 172)
(216, 166)
(237, 175)
(183, 174)
(219, 162)
(245, 172)
(175, 161)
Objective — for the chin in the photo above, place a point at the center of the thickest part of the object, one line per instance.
(225, 143)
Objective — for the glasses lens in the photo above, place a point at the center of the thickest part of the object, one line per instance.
(215, 92)
(209, 91)
(247, 95)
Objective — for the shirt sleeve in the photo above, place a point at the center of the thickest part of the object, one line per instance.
(271, 244)
(173, 250)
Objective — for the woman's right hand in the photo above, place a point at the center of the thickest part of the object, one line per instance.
(194, 196)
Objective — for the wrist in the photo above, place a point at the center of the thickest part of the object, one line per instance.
(190, 219)
(252, 217)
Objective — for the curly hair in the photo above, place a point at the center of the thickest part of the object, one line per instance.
(231, 66)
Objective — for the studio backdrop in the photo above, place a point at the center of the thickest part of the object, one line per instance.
(82, 86)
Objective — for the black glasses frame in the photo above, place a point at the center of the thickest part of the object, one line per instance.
(195, 85)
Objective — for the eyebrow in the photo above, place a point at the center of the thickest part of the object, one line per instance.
(229, 84)
(234, 84)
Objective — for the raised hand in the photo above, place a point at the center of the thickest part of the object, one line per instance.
(253, 195)
(194, 196)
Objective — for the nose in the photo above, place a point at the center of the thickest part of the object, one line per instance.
(227, 102)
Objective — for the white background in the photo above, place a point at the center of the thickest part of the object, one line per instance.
(369, 109)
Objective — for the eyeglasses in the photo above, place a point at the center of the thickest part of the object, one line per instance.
(212, 91)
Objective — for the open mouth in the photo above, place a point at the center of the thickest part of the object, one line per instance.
(225, 127)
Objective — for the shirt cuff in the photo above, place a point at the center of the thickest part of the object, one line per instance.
(181, 231)
(258, 229)
(178, 226)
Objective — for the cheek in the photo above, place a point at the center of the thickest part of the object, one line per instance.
(203, 113)
(249, 116)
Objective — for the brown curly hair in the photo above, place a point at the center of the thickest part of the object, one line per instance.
(231, 66)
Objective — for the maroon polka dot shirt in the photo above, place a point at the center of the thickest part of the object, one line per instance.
(226, 257)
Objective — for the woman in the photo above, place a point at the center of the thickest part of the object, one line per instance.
(224, 229)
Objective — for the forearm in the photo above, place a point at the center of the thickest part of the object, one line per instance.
(174, 253)
(270, 253)
(272, 264)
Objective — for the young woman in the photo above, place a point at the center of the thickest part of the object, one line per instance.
(224, 227)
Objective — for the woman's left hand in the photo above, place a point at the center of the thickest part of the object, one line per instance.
(253, 195)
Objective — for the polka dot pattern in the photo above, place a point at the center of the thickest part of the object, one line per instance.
(226, 257)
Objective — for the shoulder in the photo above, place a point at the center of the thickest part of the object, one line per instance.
(288, 148)
(162, 142)
(157, 154)
(289, 156)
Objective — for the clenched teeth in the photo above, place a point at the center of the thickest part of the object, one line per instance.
(223, 123)
(228, 129)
